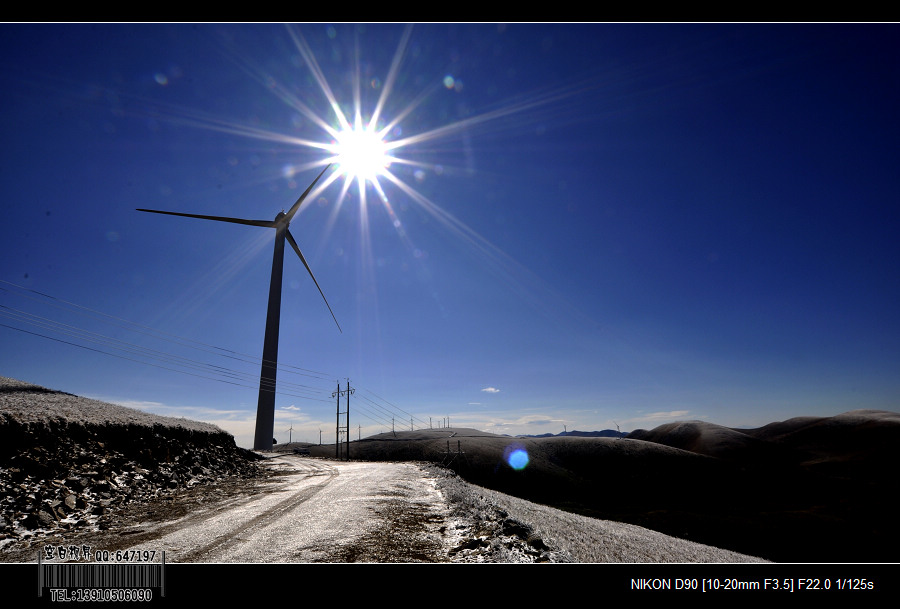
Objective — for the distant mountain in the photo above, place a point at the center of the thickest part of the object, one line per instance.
(703, 438)
(858, 436)
(606, 433)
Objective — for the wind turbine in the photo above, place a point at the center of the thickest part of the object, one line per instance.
(265, 410)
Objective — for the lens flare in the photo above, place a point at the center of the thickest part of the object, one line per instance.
(516, 456)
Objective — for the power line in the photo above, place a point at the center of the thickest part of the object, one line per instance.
(370, 415)
(380, 414)
(396, 407)
(150, 364)
(137, 350)
(381, 408)
(158, 334)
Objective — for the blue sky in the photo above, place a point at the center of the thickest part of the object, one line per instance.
(584, 224)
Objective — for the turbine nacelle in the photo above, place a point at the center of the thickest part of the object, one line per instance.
(282, 221)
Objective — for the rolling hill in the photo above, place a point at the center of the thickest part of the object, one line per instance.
(809, 489)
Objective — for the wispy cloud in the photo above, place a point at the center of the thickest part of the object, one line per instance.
(653, 419)
(491, 390)
(474, 404)
(670, 414)
(496, 423)
(197, 413)
(136, 404)
(239, 423)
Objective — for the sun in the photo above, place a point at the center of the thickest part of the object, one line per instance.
(361, 153)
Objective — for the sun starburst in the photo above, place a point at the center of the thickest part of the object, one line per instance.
(370, 149)
(360, 153)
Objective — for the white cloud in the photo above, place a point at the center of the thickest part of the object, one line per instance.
(291, 407)
(491, 390)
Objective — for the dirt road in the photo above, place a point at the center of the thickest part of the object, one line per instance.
(317, 511)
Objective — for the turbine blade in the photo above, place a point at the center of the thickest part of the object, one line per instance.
(264, 223)
(294, 245)
(296, 205)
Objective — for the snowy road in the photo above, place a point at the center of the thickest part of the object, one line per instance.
(317, 511)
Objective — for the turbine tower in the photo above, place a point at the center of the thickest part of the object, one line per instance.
(265, 410)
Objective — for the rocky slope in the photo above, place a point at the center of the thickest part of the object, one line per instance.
(499, 528)
(69, 463)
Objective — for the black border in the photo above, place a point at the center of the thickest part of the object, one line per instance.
(463, 584)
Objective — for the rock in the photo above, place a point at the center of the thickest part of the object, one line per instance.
(513, 527)
(45, 518)
(537, 543)
(471, 544)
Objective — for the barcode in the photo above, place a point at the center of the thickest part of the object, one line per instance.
(89, 575)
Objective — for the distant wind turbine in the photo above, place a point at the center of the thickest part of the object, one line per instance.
(265, 410)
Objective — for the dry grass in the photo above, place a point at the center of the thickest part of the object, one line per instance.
(26, 404)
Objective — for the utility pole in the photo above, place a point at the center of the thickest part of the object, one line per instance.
(429, 423)
(411, 428)
(337, 425)
(358, 432)
(337, 432)
(349, 391)
(320, 437)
